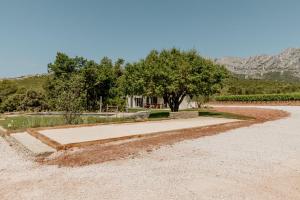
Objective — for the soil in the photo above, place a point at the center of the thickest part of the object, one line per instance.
(127, 149)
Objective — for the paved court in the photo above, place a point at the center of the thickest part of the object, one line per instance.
(91, 133)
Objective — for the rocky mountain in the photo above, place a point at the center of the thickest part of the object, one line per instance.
(285, 65)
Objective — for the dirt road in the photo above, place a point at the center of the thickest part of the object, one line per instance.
(257, 162)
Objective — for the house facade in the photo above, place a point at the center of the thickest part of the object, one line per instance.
(157, 102)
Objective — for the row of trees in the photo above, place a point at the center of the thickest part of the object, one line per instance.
(85, 79)
(76, 84)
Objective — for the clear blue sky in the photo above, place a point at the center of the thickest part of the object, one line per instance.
(32, 31)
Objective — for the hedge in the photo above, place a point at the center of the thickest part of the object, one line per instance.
(160, 114)
(260, 97)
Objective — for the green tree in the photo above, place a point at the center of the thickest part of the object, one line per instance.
(71, 98)
(174, 74)
(98, 79)
(64, 66)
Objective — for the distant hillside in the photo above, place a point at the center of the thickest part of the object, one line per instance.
(35, 82)
(284, 66)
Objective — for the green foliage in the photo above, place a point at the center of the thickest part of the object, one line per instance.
(98, 80)
(161, 114)
(23, 100)
(260, 97)
(240, 86)
(33, 101)
(13, 92)
(173, 74)
(64, 66)
(12, 103)
(70, 97)
(7, 88)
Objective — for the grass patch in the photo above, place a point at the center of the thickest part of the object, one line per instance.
(208, 113)
(21, 123)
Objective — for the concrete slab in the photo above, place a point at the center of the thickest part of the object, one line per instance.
(32, 144)
(101, 132)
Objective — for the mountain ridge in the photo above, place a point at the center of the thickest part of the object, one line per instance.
(285, 64)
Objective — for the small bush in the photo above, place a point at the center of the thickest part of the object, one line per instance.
(162, 114)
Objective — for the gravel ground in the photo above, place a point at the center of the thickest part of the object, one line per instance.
(257, 162)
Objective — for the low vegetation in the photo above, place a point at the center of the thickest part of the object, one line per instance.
(23, 122)
(159, 114)
(260, 97)
(210, 113)
(240, 86)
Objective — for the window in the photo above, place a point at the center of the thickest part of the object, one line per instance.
(138, 102)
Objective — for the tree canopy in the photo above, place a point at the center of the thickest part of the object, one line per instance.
(97, 80)
(75, 84)
(174, 74)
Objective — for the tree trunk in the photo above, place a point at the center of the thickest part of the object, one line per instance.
(174, 104)
(176, 107)
(175, 101)
(165, 97)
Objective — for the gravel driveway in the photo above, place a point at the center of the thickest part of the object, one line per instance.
(257, 162)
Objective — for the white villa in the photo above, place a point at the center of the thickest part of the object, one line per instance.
(157, 102)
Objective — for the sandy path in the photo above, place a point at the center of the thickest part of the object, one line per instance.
(257, 162)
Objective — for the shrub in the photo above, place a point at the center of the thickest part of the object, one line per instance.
(162, 114)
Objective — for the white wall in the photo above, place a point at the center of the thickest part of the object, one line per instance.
(186, 103)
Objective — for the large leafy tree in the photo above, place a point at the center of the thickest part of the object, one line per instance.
(64, 66)
(173, 75)
(98, 80)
